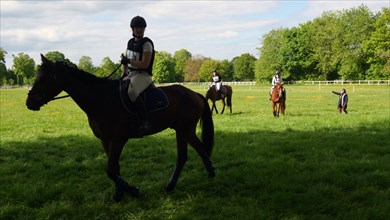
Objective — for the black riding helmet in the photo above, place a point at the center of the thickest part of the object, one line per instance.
(138, 21)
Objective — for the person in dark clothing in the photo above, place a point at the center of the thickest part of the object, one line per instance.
(138, 63)
(343, 100)
(216, 80)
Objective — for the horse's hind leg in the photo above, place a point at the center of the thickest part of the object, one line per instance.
(181, 159)
(198, 146)
(283, 108)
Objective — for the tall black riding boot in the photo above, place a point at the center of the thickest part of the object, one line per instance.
(143, 115)
(220, 93)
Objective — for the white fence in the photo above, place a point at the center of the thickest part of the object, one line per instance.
(250, 83)
(342, 82)
(333, 82)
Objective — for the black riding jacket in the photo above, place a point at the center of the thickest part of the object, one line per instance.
(137, 47)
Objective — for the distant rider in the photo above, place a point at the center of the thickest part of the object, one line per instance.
(276, 79)
(217, 80)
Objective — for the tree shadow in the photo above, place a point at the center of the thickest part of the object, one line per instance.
(259, 173)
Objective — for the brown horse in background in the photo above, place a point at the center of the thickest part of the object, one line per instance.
(278, 98)
(214, 96)
(100, 99)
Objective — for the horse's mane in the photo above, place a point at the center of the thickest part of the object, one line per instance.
(84, 76)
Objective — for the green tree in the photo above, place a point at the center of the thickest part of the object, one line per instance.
(243, 67)
(270, 55)
(24, 67)
(377, 48)
(226, 70)
(206, 70)
(106, 68)
(296, 53)
(163, 67)
(58, 56)
(3, 68)
(325, 39)
(85, 63)
(180, 58)
(356, 25)
(191, 70)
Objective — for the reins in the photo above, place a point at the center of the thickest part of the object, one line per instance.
(66, 96)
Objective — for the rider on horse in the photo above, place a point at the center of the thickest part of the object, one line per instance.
(276, 79)
(138, 62)
(216, 80)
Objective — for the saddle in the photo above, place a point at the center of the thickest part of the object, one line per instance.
(154, 98)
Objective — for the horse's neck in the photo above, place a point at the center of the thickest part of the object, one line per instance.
(90, 93)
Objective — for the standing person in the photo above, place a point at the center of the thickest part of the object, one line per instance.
(276, 79)
(138, 62)
(217, 80)
(343, 100)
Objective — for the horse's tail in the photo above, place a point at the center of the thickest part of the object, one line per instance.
(229, 96)
(207, 127)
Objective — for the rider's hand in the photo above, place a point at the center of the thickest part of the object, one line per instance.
(124, 60)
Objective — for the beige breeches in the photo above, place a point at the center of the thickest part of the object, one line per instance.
(138, 83)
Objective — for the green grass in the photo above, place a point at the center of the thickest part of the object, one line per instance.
(312, 163)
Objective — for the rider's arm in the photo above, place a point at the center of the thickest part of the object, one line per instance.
(337, 93)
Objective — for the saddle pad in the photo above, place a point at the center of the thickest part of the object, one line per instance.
(155, 98)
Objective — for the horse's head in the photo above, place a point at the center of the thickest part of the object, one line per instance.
(277, 92)
(279, 85)
(46, 86)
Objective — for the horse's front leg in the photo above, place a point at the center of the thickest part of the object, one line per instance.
(223, 105)
(214, 107)
(181, 159)
(113, 172)
(274, 108)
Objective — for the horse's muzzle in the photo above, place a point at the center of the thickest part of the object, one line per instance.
(34, 103)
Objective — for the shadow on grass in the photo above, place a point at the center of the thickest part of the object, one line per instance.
(260, 174)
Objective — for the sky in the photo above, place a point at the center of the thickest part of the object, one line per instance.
(216, 29)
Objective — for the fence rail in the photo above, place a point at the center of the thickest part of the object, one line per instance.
(330, 82)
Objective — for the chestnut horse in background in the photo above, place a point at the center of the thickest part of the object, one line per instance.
(278, 98)
(214, 96)
(100, 99)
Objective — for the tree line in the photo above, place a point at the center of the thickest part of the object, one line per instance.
(351, 44)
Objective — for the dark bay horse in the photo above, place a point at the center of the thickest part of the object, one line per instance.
(214, 96)
(100, 99)
(278, 98)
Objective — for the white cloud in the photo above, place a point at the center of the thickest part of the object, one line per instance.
(217, 29)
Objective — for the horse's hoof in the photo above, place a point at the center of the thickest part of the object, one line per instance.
(211, 174)
(117, 197)
(169, 189)
(132, 190)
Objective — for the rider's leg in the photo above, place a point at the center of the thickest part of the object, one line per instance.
(143, 115)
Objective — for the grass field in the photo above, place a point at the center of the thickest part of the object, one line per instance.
(312, 163)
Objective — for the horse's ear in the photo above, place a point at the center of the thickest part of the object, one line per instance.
(44, 59)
